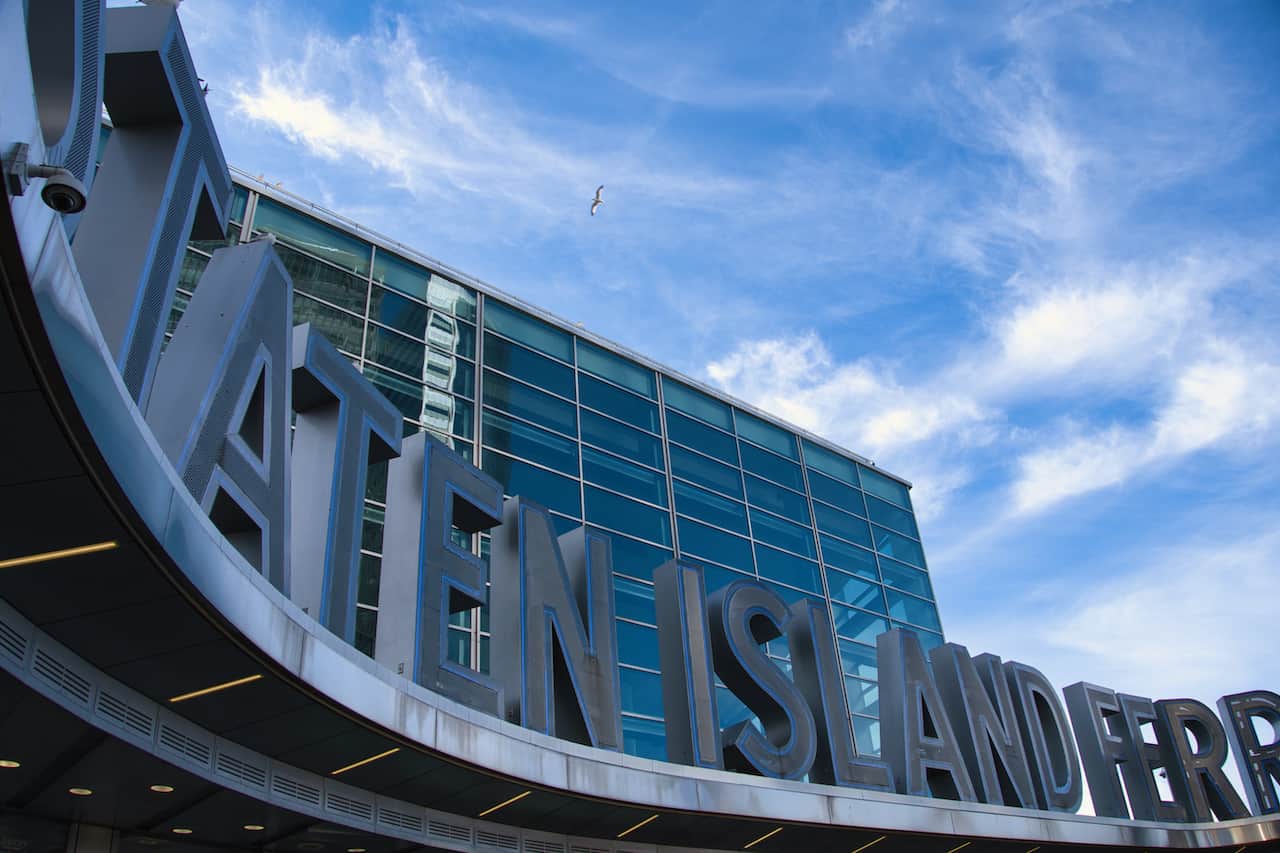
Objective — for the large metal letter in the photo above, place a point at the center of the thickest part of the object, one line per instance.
(1145, 800)
(1195, 772)
(554, 621)
(163, 181)
(343, 425)
(744, 614)
(980, 705)
(1259, 763)
(916, 735)
(426, 575)
(1104, 742)
(815, 667)
(1046, 737)
(221, 404)
(688, 676)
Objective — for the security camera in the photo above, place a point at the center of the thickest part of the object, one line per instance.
(62, 190)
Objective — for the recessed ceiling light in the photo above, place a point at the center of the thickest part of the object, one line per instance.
(254, 827)
(162, 789)
(356, 850)
(80, 792)
(362, 762)
(502, 805)
(217, 688)
(45, 556)
(180, 830)
(9, 764)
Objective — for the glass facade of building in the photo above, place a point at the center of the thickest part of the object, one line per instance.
(603, 439)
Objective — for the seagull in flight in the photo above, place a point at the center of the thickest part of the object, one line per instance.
(597, 201)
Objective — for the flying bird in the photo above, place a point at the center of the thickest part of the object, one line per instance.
(597, 201)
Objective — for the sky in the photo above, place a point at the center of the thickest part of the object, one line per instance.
(1022, 254)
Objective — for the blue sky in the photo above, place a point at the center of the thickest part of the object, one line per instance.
(1022, 254)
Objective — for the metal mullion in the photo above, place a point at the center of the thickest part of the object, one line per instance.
(476, 451)
(250, 212)
(666, 461)
(368, 295)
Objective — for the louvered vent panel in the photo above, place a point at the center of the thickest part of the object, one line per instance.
(286, 787)
(12, 642)
(125, 715)
(448, 831)
(496, 840)
(176, 741)
(350, 806)
(533, 845)
(578, 848)
(400, 820)
(229, 765)
(61, 677)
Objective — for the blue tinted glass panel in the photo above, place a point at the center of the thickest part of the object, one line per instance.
(881, 486)
(830, 463)
(641, 692)
(529, 331)
(638, 559)
(622, 440)
(715, 545)
(633, 600)
(705, 472)
(644, 738)
(771, 467)
(842, 524)
(617, 369)
(637, 645)
(766, 434)
(603, 397)
(824, 488)
(850, 590)
(564, 524)
(784, 502)
(530, 442)
(849, 558)
(928, 639)
(433, 408)
(864, 696)
(619, 513)
(519, 478)
(783, 534)
(449, 373)
(898, 546)
(392, 309)
(621, 476)
(730, 708)
(395, 351)
(530, 404)
(917, 611)
(321, 280)
(312, 236)
(712, 442)
(891, 516)
(691, 402)
(856, 625)
(239, 196)
(857, 659)
(715, 577)
(788, 568)
(345, 331)
(526, 364)
(866, 735)
(393, 271)
(451, 334)
(710, 507)
(905, 577)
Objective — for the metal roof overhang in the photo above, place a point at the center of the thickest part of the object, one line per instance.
(315, 742)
